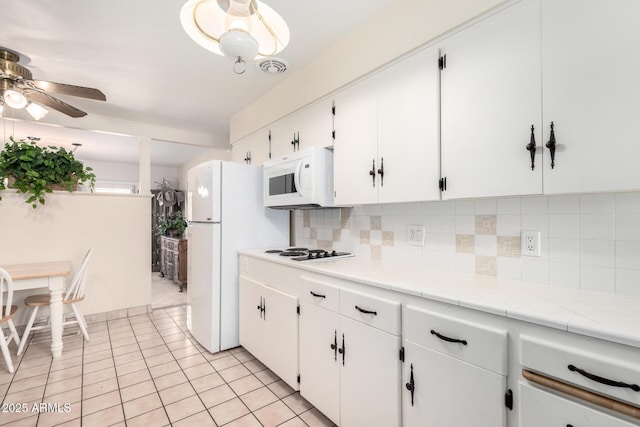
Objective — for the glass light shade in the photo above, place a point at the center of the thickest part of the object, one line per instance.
(14, 99)
(238, 44)
(238, 16)
(36, 111)
(205, 22)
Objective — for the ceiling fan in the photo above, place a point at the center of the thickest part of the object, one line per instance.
(18, 90)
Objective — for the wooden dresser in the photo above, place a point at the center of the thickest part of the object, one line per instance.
(173, 260)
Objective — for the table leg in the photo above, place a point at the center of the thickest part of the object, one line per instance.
(56, 287)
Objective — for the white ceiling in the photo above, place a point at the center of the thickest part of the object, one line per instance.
(151, 72)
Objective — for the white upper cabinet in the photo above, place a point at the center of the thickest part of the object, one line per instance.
(308, 127)
(355, 149)
(591, 67)
(386, 135)
(491, 96)
(252, 149)
(408, 140)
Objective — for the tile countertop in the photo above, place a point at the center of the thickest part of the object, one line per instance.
(607, 316)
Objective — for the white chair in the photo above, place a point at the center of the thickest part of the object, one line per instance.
(73, 294)
(6, 316)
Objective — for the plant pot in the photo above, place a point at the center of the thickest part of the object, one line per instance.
(175, 233)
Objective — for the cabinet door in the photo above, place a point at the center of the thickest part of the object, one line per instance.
(280, 337)
(539, 408)
(355, 151)
(282, 133)
(491, 96)
(255, 146)
(314, 125)
(408, 129)
(251, 322)
(319, 367)
(449, 392)
(369, 377)
(591, 65)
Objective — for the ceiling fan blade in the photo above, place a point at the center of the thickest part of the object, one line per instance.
(65, 89)
(56, 104)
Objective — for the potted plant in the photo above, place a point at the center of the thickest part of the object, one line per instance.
(36, 170)
(174, 224)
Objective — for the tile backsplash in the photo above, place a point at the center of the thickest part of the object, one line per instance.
(587, 241)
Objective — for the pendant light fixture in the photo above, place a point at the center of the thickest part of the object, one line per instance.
(241, 30)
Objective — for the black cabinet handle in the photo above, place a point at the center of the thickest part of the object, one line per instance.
(551, 145)
(442, 184)
(261, 307)
(411, 385)
(264, 308)
(381, 171)
(362, 310)
(445, 338)
(372, 172)
(531, 146)
(334, 346)
(317, 295)
(342, 350)
(602, 380)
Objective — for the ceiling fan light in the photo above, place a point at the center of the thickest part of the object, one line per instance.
(15, 99)
(36, 111)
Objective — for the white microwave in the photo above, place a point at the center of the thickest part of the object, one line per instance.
(299, 180)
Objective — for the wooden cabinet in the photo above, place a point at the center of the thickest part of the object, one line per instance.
(386, 135)
(349, 355)
(455, 372)
(269, 328)
(252, 149)
(173, 256)
(590, 70)
(491, 97)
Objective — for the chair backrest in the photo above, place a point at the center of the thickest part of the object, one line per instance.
(75, 288)
(6, 285)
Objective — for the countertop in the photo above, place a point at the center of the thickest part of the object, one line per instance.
(601, 315)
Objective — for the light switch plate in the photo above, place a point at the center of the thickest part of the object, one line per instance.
(415, 235)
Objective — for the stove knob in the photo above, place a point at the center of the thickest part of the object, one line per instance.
(333, 253)
(310, 256)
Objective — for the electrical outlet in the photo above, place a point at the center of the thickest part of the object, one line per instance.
(530, 243)
(415, 235)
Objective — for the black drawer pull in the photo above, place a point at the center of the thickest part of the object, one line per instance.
(444, 338)
(601, 380)
(362, 310)
(317, 295)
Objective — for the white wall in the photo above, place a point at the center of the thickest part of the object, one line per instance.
(116, 227)
(406, 26)
(129, 172)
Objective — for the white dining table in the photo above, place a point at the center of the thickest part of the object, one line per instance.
(49, 275)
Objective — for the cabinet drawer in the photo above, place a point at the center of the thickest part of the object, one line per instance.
(485, 346)
(320, 293)
(540, 408)
(553, 359)
(373, 311)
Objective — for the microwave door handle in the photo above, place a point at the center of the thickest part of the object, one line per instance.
(296, 178)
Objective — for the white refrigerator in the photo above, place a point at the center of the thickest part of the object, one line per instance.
(225, 213)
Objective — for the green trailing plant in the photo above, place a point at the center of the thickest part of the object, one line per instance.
(35, 170)
(173, 221)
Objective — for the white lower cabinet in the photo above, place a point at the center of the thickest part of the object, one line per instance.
(269, 328)
(349, 368)
(540, 408)
(454, 373)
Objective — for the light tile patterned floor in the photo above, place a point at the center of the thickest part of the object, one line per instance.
(146, 371)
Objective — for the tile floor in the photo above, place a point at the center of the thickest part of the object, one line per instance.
(146, 371)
